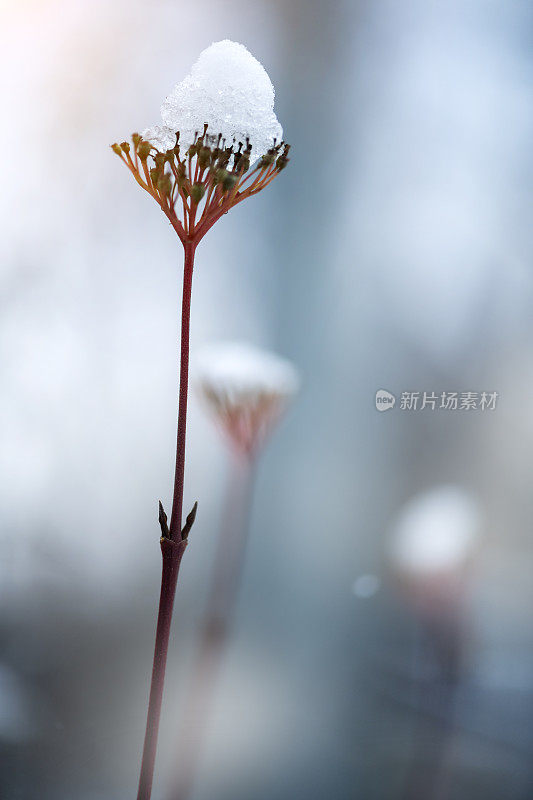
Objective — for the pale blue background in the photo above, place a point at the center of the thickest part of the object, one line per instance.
(395, 252)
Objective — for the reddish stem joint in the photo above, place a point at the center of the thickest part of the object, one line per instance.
(189, 522)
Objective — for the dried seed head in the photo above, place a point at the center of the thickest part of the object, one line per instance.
(231, 156)
(229, 181)
(197, 192)
(144, 150)
(164, 184)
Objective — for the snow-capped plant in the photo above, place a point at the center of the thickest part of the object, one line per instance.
(246, 389)
(220, 143)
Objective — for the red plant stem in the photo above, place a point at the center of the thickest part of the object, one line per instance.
(177, 502)
(216, 628)
(172, 553)
(172, 549)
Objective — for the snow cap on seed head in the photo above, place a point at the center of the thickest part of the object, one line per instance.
(228, 89)
(246, 388)
(160, 136)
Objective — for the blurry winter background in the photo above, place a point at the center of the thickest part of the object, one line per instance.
(369, 660)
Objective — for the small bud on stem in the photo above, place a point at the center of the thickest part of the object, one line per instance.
(189, 522)
(144, 150)
(197, 192)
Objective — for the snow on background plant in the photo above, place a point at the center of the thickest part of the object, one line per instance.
(246, 390)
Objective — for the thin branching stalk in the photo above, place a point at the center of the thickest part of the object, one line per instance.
(172, 553)
(194, 188)
(177, 502)
(173, 544)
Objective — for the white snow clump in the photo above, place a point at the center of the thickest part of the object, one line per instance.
(228, 89)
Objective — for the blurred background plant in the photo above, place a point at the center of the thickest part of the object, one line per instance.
(246, 390)
(431, 550)
(415, 118)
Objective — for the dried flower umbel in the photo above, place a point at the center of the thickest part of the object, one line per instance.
(219, 144)
(195, 188)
